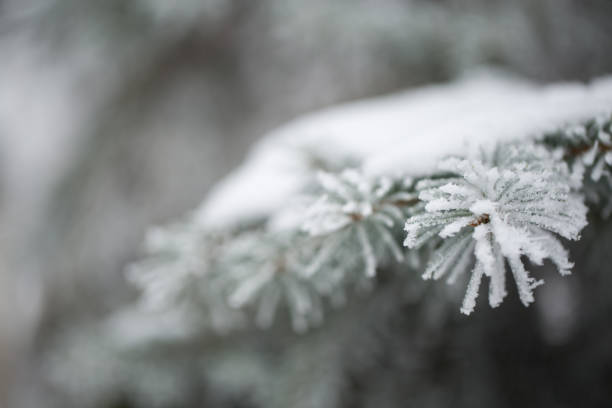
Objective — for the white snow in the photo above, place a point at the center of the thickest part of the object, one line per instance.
(404, 133)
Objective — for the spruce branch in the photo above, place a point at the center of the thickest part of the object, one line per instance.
(250, 273)
(352, 226)
(177, 274)
(587, 148)
(508, 203)
(502, 206)
(264, 271)
(356, 208)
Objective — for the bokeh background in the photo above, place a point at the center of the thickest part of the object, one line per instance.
(119, 114)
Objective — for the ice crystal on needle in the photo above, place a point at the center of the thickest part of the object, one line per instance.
(589, 144)
(588, 147)
(262, 271)
(501, 207)
(178, 275)
(178, 255)
(354, 207)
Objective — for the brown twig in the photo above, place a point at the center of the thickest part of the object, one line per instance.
(482, 219)
(582, 149)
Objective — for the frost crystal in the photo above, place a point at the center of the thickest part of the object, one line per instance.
(355, 208)
(588, 149)
(592, 145)
(500, 207)
(178, 255)
(263, 271)
(177, 275)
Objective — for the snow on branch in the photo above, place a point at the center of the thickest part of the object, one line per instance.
(504, 205)
(352, 226)
(509, 204)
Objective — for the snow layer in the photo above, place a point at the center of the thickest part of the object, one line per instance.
(404, 133)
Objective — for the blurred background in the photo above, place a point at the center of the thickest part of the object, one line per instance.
(119, 114)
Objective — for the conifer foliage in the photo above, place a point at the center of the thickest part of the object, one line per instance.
(360, 209)
(500, 207)
(587, 147)
(508, 204)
